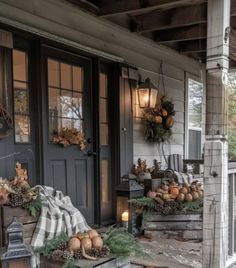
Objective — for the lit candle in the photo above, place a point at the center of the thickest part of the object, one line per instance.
(125, 219)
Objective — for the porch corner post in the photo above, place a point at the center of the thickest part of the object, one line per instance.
(215, 215)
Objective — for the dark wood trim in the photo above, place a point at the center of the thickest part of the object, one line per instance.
(175, 18)
(111, 8)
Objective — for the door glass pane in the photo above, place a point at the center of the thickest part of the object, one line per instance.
(20, 65)
(22, 129)
(21, 96)
(66, 76)
(104, 134)
(105, 181)
(65, 97)
(77, 78)
(53, 73)
(103, 109)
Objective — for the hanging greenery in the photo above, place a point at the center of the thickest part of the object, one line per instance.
(158, 121)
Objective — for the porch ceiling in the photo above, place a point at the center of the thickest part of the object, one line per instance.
(178, 24)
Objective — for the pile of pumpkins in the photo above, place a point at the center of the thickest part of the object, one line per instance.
(85, 241)
(173, 191)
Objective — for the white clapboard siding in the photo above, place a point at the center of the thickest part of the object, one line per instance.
(175, 90)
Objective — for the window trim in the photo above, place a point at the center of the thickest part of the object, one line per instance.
(186, 117)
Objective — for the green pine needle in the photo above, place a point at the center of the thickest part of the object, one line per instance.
(52, 244)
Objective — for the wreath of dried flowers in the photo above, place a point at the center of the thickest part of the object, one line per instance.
(158, 121)
(69, 136)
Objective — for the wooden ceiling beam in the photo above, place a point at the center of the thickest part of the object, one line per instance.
(175, 18)
(112, 8)
(192, 47)
(85, 5)
(233, 9)
(194, 32)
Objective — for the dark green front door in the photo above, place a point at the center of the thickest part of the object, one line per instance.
(67, 103)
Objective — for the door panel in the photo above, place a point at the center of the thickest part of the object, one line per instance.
(67, 100)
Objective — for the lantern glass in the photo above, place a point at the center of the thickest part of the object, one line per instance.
(18, 264)
(122, 206)
(147, 94)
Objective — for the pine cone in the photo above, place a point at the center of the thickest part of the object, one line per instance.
(104, 252)
(78, 254)
(57, 255)
(68, 254)
(62, 246)
(93, 252)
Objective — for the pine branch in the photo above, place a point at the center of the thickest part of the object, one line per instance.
(143, 201)
(52, 244)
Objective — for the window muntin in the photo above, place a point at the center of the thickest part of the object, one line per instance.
(65, 96)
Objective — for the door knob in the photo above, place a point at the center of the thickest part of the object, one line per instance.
(90, 153)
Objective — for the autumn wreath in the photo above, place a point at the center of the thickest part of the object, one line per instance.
(67, 137)
(158, 121)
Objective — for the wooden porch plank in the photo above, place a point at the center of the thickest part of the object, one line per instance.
(158, 226)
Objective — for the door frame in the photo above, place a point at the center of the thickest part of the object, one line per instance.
(35, 43)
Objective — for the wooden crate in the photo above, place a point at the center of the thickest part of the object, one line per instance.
(183, 225)
(23, 216)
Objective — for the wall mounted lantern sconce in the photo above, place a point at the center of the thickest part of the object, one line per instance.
(147, 94)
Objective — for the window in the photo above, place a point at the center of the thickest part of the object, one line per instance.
(232, 115)
(194, 122)
(65, 94)
(21, 97)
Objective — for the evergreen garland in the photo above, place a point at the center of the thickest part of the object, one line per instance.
(34, 206)
(122, 243)
(52, 244)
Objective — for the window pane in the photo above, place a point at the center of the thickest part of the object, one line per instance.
(20, 65)
(22, 128)
(54, 124)
(21, 101)
(195, 99)
(66, 76)
(77, 104)
(78, 124)
(54, 102)
(53, 73)
(105, 181)
(103, 111)
(66, 103)
(103, 85)
(103, 134)
(78, 78)
(20, 85)
(66, 123)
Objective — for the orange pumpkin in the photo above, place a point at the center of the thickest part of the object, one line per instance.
(169, 121)
(158, 119)
(180, 197)
(195, 195)
(188, 197)
(183, 190)
(164, 112)
(174, 191)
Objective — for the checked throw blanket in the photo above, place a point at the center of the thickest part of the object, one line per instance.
(57, 215)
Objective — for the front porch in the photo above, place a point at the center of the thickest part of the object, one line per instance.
(72, 116)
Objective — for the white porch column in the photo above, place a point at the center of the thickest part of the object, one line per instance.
(215, 218)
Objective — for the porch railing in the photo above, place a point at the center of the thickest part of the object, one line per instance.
(232, 214)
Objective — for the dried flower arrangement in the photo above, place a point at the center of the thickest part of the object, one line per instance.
(69, 136)
(158, 121)
(17, 191)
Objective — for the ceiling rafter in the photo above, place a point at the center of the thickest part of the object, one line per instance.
(193, 32)
(188, 47)
(175, 18)
(112, 8)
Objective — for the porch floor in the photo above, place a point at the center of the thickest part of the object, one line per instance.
(171, 253)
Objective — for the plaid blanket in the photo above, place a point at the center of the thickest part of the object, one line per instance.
(57, 215)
